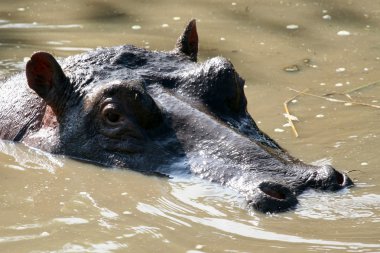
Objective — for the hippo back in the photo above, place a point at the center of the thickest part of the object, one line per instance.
(21, 109)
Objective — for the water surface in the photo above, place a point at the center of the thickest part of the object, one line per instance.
(54, 204)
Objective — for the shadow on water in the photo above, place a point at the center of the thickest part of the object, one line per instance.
(100, 11)
(345, 13)
(251, 14)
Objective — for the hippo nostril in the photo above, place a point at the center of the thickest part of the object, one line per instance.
(272, 197)
(343, 180)
(330, 179)
(274, 193)
(339, 178)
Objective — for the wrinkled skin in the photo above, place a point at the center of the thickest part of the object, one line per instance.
(156, 112)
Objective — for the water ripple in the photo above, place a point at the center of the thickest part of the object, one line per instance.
(18, 238)
(36, 25)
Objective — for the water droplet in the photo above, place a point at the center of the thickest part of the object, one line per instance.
(326, 17)
(338, 70)
(293, 68)
(136, 27)
(338, 144)
(199, 246)
(292, 27)
(291, 117)
(343, 33)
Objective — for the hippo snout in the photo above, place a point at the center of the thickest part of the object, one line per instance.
(328, 178)
(272, 197)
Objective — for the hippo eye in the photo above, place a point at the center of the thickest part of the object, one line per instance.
(111, 115)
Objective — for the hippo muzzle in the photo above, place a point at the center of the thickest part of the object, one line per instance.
(272, 196)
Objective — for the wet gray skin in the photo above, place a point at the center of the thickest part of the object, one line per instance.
(156, 112)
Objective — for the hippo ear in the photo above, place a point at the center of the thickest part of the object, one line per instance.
(187, 43)
(46, 78)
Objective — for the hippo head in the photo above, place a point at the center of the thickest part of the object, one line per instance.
(162, 111)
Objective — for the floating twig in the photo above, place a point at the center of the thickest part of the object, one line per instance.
(288, 113)
(290, 117)
(361, 87)
(335, 100)
(353, 171)
(348, 92)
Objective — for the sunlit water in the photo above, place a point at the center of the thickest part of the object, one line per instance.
(54, 204)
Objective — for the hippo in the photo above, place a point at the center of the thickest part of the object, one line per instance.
(157, 113)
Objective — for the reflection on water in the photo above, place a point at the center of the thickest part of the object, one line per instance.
(34, 25)
(107, 211)
(27, 158)
(339, 205)
(53, 204)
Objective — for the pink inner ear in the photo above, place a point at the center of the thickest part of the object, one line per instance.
(50, 118)
(39, 73)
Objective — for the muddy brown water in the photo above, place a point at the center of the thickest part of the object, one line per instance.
(54, 204)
